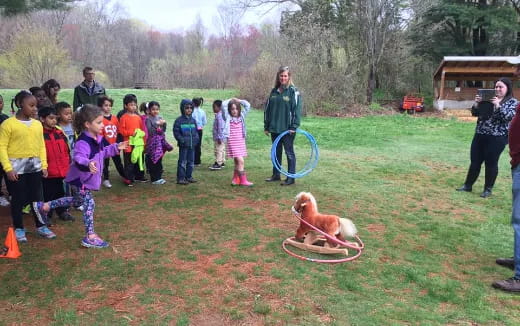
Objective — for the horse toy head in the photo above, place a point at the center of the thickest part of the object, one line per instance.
(305, 201)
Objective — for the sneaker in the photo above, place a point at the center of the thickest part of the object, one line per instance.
(191, 180)
(107, 184)
(94, 243)
(159, 182)
(45, 232)
(41, 214)
(80, 208)
(510, 285)
(66, 217)
(223, 164)
(20, 235)
(4, 202)
(506, 262)
(182, 182)
(142, 180)
(127, 182)
(215, 166)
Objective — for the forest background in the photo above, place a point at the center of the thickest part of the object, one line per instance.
(343, 53)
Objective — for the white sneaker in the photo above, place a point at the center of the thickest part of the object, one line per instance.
(159, 182)
(4, 201)
(107, 184)
(80, 208)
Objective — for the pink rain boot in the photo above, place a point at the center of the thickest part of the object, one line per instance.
(243, 179)
(236, 178)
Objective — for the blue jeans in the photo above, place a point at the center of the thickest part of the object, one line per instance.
(185, 163)
(515, 217)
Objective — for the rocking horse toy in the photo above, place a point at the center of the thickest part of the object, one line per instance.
(321, 233)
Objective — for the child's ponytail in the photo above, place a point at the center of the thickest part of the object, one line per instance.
(18, 99)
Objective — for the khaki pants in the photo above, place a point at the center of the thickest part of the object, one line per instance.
(220, 152)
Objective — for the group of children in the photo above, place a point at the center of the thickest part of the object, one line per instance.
(53, 159)
(229, 137)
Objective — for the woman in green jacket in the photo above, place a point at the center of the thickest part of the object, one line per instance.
(282, 113)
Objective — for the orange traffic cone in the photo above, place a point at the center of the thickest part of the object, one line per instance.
(10, 249)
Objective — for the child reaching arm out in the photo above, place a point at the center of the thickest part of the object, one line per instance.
(85, 171)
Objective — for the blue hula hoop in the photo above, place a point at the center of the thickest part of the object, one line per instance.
(312, 162)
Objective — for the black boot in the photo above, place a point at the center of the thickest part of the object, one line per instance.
(486, 193)
(506, 262)
(465, 188)
(287, 182)
(272, 178)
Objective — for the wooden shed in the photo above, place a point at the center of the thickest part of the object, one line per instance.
(457, 79)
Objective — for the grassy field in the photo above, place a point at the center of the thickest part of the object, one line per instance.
(210, 254)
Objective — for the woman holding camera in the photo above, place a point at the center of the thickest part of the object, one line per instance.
(490, 134)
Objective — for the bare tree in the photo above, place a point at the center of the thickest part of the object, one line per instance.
(516, 5)
(268, 3)
(376, 19)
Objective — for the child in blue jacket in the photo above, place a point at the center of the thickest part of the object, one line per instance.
(185, 132)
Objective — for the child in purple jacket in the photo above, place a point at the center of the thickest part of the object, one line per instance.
(85, 171)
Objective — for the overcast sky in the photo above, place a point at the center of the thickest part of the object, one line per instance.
(180, 15)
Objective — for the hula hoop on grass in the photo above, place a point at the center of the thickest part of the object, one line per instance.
(311, 163)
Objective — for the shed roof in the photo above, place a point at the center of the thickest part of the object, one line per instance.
(473, 67)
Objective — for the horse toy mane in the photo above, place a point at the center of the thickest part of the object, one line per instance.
(341, 228)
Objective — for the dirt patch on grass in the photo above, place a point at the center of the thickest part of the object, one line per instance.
(376, 228)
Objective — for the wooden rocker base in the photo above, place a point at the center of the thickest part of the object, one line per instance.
(318, 247)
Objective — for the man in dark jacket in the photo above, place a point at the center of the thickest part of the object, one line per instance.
(88, 91)
(185, 132)
(513, 284)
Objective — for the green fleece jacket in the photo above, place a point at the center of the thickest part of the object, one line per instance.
(283, 110)
(137, 141)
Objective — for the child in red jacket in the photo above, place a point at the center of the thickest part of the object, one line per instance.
(58, 158)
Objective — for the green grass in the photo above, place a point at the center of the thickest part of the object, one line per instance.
(184, 254)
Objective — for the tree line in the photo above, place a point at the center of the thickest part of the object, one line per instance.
(340, 51)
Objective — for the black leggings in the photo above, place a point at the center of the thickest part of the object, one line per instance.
(26, 190)
(287, 142)
(53, 188)
(485, 149)
(132, 171)
(198, 148)
(155, 169)
(119, 166)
